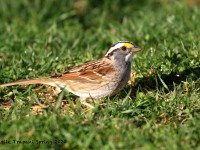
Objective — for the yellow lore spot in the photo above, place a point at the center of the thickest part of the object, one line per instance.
(128, 45)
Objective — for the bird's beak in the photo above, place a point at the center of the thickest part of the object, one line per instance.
(136, 49)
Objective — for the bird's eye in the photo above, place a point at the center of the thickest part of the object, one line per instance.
(123, 48)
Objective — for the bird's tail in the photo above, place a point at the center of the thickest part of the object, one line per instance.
(33, 81)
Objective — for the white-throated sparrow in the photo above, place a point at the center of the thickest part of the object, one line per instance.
(95, 79)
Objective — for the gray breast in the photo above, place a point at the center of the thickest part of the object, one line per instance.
(124, 77)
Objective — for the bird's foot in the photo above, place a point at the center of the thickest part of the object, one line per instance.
(84, 102)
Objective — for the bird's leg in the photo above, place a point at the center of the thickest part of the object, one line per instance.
(83, 101)
(56, 91)
(53, 94)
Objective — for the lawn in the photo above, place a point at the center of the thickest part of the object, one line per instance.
(158, 109)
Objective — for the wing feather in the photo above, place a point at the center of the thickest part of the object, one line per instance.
(92, 71)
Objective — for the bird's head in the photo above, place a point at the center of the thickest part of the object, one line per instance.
(122, 50)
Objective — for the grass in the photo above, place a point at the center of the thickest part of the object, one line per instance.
(42, 38)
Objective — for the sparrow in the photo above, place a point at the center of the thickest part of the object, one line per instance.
(95, 79)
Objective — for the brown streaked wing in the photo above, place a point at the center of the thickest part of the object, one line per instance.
(87, 66)
(90, 72)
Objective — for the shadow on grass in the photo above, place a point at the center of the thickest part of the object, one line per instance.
(154, 81)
